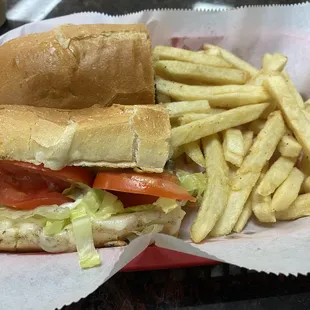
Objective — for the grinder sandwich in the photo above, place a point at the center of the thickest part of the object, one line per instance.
(80, 179)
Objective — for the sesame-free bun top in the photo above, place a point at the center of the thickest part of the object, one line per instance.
(77, 66)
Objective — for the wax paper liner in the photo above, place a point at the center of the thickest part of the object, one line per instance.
(48, 281)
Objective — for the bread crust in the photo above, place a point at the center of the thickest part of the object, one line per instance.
(113, 137)
(77, 66)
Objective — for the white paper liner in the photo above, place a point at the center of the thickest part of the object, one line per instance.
(49, 281)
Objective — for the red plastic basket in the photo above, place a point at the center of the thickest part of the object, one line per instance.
(153, 258)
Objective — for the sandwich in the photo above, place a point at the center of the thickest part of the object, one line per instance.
(77, 66)
(80, 179)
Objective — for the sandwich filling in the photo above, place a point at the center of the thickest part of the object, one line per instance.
(74, 200)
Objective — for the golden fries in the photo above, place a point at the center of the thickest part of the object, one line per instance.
(216, 194)
(305, 164)
(299, 208)
(289, 147)
(249, 172)
(177, 152)
(261, 205)
(288, 191)
(161, 98)
(256, 126)
(247, 141)
(293, 90)
(266, 59)
(190, 117)
(180, 108)
(260, 116)
(186, 72)
(227, 96)
(276, 175)
(193, 151)
(233, 59)
(173, 53)
(275, 62)
(215, 123)
(306, 185)
(272, 65)
(293, 114)
(244, 216)
(233, 146)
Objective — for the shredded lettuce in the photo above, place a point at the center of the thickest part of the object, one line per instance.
(52, 228)
(110, 205)
(139, 208)
(77, 216)
(166, 204)
(154, 228)
(194, 183)
(83, 235)
(48, 212)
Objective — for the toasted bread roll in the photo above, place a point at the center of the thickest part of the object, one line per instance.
(115, 137)
(77, 66)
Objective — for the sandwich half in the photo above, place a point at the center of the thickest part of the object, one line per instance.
(81, 179)
(77, 66)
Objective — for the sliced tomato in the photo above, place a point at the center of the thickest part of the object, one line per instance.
(13, 196)
(131, 200)
(158, 185)
(26, 186)
(51, 198)
(68, 174)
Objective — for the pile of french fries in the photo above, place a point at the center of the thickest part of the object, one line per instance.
(250, 130)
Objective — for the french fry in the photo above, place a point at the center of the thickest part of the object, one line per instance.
(272, 65)
(261, 205)
(306, 185)
(256, 126)
(293, 90)
(190, 73)
(288, 191)
(178, 152)
(161, 98)
(249, 172)
(306, 109)
(233, 146)
(292, 112)
(215, 123)
(305, 164)
(190, 117)
(299, 208)
(244, 216)
(232, 170)
(289, 147)
(247, 140)
(266, 59)
(271, 108)
(216, 195)
(276, 62)
(233, 59)
(212, 51)
(276, 175)
(227, 96)
(193, 151)
(173, 53)
(176, 109)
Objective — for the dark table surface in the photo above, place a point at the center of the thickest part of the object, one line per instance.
(208, 287)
